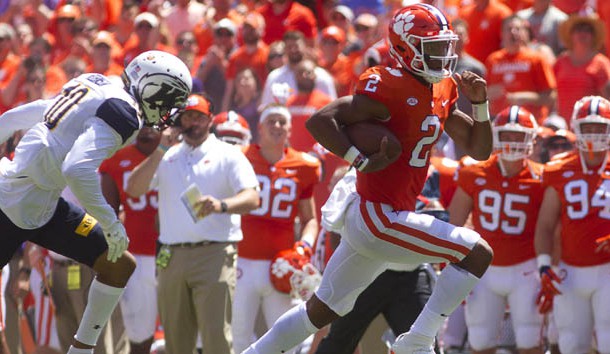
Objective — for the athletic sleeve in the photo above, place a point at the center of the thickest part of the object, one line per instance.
(121, 116)
(91, 148)
(21, 118)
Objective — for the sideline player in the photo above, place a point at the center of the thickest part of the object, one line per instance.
(69, 138)
(287, 178)
(139, 301)
(504, 194)
(416, 101)
(577, 195)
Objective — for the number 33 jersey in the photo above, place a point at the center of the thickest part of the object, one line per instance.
(139, 212)
(417, 117)
(504, 210)
(270, 228)
(70, 136)
(585, 209)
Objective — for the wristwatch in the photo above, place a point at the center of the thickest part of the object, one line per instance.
(223, 206)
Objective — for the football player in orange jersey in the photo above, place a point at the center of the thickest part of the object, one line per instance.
(504, 195)
(577, 195)
(139, 301)
(416, 102)
(287, 178)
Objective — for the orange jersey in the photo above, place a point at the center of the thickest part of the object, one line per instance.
(256, 60)
(484, 28)
(301, 107)
(585, 209)
(296, 17)
(140, 212)
(270, 228)
(504, 210)
(417, 118)
(526, 70)
(446, 168)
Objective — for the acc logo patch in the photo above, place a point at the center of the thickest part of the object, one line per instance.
(412, 101)
(480, 181)
(568, 174)
(86, 225)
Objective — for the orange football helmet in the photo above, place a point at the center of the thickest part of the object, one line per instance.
(589, 111)
(423, 42)
(231, 128)
(291, 272)
(514, 119)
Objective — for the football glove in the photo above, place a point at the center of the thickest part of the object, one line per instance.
(117, 240)
(548, 289)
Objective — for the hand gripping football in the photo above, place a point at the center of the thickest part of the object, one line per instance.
(366, 136)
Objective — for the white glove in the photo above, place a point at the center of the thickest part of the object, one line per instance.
(116, 238)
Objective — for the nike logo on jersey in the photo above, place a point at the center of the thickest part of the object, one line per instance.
(523, 187)
(444, 103)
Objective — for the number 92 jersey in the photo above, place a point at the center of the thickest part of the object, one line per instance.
(270, 228)
(504, 209)
(585, 209)
(417, 117)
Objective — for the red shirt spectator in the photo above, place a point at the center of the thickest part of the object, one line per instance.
(484, 18)
(287, 16)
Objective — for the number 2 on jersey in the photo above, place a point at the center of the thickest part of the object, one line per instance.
(430, 124)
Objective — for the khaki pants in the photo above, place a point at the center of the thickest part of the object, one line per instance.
(195, 293)
(70, 305)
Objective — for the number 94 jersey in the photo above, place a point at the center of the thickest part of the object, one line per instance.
(417, 117)
(585, 208)
(270, 228)
(504, 210)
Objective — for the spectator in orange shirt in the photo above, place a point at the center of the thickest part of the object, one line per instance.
(253, 53)
(517, 5)
(124, 28)
(303, 103)
(101, 55)
(484, 18)
(204, 30)
(60, 29)
(517, 75)
(367, 31)
(147, 34)
(581, 70)
(332, 42)
(342, 17)
(282, 16)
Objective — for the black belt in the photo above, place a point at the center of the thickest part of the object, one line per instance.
(190, 244)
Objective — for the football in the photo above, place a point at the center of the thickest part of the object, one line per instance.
(366, 137)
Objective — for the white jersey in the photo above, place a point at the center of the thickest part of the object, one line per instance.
(69, 138)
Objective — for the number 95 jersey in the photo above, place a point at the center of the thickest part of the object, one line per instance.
(417, 117)
(585, 208)
(504, 209)
(270, 228)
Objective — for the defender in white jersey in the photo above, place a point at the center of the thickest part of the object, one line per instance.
(68, 138)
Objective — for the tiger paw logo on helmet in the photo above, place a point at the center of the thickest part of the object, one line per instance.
(291, 272)
(403, 24)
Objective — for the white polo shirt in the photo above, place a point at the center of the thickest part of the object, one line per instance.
(218, 169)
